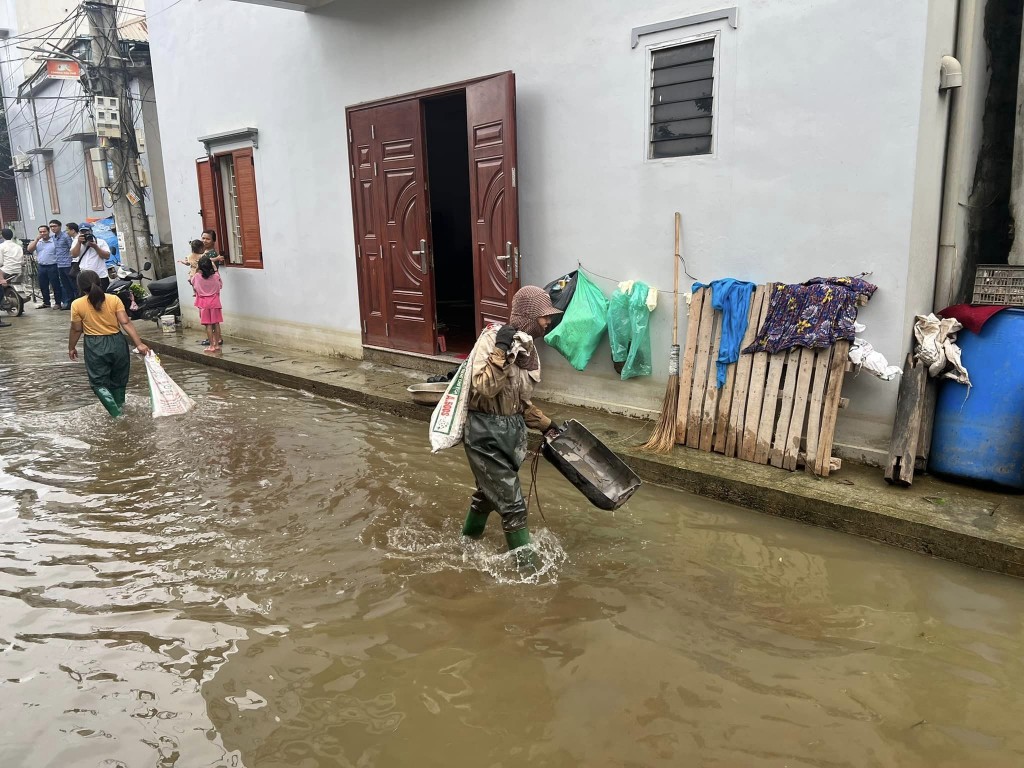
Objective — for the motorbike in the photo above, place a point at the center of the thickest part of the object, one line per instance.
(14, 296)
(161, 299)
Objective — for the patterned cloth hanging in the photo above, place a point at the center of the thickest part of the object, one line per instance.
(814, 314)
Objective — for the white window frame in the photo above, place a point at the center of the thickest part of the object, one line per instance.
(715, 35)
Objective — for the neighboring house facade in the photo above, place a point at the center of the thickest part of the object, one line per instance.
(797, 140)
(51, 125)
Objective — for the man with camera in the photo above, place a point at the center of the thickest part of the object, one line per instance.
(92, 254)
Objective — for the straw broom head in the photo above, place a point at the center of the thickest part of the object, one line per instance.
(663, 438)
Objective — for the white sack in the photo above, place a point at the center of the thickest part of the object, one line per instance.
(168, 398)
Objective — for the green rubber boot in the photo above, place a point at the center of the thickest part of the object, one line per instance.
(107, 398)
(475, 523)
(519, 543)
(119, 395)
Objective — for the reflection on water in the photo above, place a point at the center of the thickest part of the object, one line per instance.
(278, 580)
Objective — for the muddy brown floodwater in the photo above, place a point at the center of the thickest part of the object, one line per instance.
(278, 580)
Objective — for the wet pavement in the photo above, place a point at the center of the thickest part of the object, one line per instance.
(277, 579)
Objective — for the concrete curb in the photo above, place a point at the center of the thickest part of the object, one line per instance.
(944, 520)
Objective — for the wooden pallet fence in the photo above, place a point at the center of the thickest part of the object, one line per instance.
(776, 409)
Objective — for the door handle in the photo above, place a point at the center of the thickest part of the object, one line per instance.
(507, 258)
(422, 253)
(516, 262)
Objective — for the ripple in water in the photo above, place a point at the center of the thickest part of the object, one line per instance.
(428, 550)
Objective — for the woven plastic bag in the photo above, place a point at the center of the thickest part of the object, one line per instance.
(168, 398)
(449, 417)
(583, 324)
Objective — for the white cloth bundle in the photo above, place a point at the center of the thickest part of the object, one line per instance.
(937, 348)
(867, 358)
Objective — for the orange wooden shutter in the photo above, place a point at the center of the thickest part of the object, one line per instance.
(207, 196)
(248, 210)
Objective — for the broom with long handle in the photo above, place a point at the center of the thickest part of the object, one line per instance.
(664, 436)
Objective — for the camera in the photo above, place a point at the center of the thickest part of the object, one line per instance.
(89, 237)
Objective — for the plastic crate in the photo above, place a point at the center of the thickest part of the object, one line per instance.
(999, 284)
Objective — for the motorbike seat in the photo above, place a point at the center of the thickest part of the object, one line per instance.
(163, 286)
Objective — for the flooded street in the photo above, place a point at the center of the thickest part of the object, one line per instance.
(278, 580)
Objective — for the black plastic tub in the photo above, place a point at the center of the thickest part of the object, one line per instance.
(591, 466)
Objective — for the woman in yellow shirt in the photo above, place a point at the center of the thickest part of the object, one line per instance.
(101, 316)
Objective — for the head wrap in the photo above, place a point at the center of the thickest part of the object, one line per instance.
(529, 304)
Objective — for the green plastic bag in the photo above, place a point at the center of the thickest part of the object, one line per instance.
(638, 361)
(583, 324)
(620, 327)
(629, 331)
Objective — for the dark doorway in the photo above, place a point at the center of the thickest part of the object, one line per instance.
(444, 119)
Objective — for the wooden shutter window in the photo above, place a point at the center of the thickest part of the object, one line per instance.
(248, 210)
(208, 208)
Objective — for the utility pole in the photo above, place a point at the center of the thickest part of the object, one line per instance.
(108, 79)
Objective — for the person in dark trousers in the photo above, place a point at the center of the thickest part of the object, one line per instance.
(504, 373)
(62, 247)
(72, 231)
(101, 316)
(45, 250)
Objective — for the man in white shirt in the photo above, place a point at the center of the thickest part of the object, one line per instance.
(92, 253)
(12, 257)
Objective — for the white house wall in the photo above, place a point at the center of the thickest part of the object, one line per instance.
(820, 141)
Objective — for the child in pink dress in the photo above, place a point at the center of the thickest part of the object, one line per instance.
(207, 285)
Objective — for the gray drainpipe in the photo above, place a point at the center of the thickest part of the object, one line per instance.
(1017, 179)
(949, 265)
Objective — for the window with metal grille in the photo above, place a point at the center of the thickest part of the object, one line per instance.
(682, 96)
(227, 200)
(229, 188)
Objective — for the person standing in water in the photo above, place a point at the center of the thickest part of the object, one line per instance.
(101, 316)
(500, 412)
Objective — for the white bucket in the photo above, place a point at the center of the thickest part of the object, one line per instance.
(167, 323)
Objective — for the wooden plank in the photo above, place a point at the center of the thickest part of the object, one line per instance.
(769, 407)
(906, 427)
(924, 440)
(724, 410)
(737, 412)
(788, 394)
(796, 424)
(686, 365)
(822, 359)
(711, 397)
(830, 408)
(700, 373)
(755, 395)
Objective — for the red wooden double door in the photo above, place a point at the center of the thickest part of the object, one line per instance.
(391, 210)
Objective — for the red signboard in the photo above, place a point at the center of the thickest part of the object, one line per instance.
(63, 70)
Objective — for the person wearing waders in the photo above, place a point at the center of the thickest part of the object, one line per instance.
(498, 414)
(101, 316)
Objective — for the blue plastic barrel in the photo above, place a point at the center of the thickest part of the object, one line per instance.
(980, 435)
